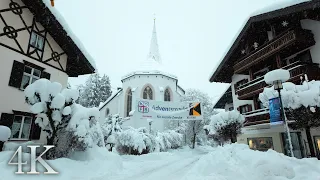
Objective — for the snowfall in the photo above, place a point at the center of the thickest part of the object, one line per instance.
(229, 162)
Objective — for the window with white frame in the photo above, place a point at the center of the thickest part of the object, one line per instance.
(37, 41)
(21, 127)
(30, 75)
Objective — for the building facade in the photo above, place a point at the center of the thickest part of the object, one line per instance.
(33, 45)
(287, 38)
(148, 81)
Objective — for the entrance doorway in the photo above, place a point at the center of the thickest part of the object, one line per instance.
(296, 140)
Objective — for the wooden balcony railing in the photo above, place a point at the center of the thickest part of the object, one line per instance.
(259, 116)
(296, 69)
(270, 48)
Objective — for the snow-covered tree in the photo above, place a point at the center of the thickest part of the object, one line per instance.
(225, 126)
(194, 128)
(69, 126)
(96, 89)
(111, 126)
(301, 104)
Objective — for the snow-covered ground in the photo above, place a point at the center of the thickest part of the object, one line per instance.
(223, 163)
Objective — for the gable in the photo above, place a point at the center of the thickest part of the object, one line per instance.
(19, 30)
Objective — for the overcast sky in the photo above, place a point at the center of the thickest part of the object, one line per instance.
(193, 35)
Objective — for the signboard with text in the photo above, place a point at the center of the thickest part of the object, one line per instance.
(165, 110)
(275, 111)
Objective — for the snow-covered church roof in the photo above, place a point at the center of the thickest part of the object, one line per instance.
(152, 64)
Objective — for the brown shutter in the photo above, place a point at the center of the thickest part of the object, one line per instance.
(45, 75)
(235, 88)
(238, 108)
(35, 131)
(16, 74)
(6, 119)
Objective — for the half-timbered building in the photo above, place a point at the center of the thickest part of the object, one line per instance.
(287, 38)
(33, 45)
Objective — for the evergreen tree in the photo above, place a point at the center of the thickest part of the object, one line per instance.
(96, 89)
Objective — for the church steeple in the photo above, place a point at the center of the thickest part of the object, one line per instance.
(154, 49)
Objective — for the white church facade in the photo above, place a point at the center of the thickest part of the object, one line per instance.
(149, 81)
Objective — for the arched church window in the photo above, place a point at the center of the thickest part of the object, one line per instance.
(167, 95)
(147, 93)
(129, 102)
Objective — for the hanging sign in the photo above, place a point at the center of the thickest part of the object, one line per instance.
(167, 110)
(275, 111)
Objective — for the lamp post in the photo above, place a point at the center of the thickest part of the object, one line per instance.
(150, 123)
(278, 86)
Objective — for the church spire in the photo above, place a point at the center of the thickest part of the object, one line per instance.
(154, 49)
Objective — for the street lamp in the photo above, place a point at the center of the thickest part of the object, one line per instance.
(278, 86)
(150, 123)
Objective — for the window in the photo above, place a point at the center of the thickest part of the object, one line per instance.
(260, 143)
(245, 108)
(317, 143)
(37, 41)
(147, 93)
(297, 144)
(21, 127)
(167, 96)
(129, 102)
(107, 111)
(30, 75)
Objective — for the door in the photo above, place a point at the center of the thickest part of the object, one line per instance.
(317, 145)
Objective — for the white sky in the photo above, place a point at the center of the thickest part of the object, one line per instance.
(192, 35)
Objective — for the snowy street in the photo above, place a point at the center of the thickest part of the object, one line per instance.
(159, 165)
(221, 163)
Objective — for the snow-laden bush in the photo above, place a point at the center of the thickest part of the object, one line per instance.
(169, 140)
(139, 141)
(69, 126)
(5, 133)
(225, 126)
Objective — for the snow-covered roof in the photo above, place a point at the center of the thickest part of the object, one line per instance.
(276, 6)
(256, 17)
(222, 94)
(70, 33)
(110, 98)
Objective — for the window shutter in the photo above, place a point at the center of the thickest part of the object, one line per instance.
(235, 88)
(238, 108)
(249, 107)
(45, 75)
(6, 119)
(16, 74)
(35, 131)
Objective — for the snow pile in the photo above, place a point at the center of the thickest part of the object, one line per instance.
(223, 119)
(237, 161)
(294, 96)
(92, 164)
(278, 74)
(5, 133)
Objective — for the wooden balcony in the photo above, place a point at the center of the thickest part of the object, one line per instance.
(297, 69)
(270, 48)
(260, 116)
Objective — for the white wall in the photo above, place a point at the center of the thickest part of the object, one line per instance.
(113, 107)
(314, 26)
(137, 83)
(236, 102)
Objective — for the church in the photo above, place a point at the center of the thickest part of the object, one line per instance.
(149, 81)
